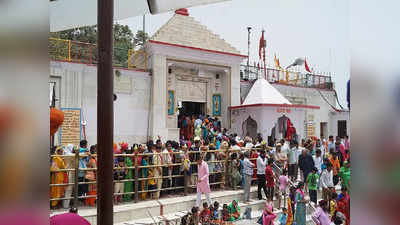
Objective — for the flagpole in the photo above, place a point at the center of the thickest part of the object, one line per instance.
(265, 67)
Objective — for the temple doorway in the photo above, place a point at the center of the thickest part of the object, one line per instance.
(193, 108)
(249, 128)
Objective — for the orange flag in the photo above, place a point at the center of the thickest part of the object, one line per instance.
(289, 220)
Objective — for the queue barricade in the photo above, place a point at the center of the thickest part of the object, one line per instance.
(221, 182)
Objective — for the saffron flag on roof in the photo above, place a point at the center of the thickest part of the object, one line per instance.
(261, 45)
(306, 66)
(277, 63)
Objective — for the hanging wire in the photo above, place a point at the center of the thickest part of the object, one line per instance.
(337, 99)
(323, 97)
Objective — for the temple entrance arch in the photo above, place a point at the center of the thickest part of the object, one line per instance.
(249, 128)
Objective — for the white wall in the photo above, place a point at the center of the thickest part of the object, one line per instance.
(335, 117)
(131, 110)
(311, 96)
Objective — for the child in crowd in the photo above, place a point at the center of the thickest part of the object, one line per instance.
(312, 183)
(152, 183)
(225, 213)
(215, 211)
(332, 204)
(205, 214)
(283, 217)
(119, 174)
(194, 217)
(283, 182)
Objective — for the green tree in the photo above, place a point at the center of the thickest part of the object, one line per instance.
(140, 39)
(124, 39)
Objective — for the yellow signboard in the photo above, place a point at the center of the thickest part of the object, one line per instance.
(70, 131)
(310, 130)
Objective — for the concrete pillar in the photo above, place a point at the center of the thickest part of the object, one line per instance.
(159, 98)
(235, 85)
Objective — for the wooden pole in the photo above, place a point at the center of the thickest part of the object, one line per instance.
(105, 112)
(76, 180)
(136, 175)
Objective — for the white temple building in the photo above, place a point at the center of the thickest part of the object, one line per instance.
(189, 66)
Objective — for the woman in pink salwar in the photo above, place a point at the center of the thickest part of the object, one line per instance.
(268, 216)
(203, 184)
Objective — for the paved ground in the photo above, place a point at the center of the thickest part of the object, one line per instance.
(247, 222)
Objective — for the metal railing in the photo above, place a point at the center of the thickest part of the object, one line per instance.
(81, 52)
(278, 172)
(221, 177)
(222, 180)
(287, 77)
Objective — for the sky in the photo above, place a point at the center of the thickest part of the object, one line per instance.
(315, 29)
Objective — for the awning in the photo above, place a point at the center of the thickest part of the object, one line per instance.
(68, 14)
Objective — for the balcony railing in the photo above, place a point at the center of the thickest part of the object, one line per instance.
(288, 77)
(80, 52)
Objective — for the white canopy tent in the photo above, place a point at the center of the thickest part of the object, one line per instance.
(68, 14)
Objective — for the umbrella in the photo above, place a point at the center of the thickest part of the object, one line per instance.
(68, 219)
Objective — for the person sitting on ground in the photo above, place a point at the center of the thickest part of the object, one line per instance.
(205, 214)
(234, 211)
(215, 211)
(283, 217)
(268, 216)
(194, 216)
(225, 213)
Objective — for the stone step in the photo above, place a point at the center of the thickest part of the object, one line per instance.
(131, 212)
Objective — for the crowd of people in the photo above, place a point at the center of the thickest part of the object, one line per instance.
(207, 157)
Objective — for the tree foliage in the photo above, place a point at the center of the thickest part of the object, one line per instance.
(124, 39)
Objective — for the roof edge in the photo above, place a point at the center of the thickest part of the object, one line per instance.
(197, 49)
(276, 105)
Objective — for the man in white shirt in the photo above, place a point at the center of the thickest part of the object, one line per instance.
(293, 157)
(280, 157)
(248, 173)
(327, 182)
(237, 138)
(285, 146)
(261, 182)
(167, 171)
(318, 160)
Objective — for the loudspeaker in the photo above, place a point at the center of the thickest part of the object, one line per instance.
(217, 76)
(169, 70)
